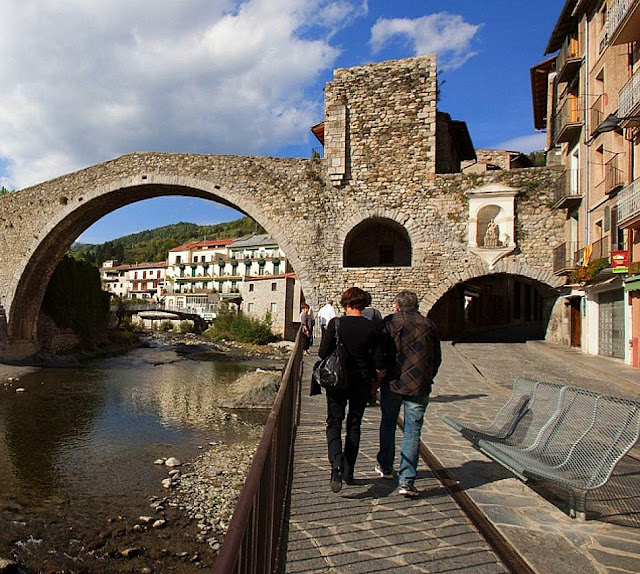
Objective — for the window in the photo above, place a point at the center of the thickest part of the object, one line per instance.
(273, 307)
(274, 286)
(251, 286)
(250, 307)
(178, 259)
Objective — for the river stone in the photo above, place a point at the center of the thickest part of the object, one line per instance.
(161, 523)
(166, 483)
(158, 461)
(172, 461)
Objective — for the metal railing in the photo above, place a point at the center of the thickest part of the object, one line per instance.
(570, 53)
(564, 257)
(566, 187)
(253, 541)
(629, 96)
(569, 115)
(612, 175)
(615, 15)
(629, 202)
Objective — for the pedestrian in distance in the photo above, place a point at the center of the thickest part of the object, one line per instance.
(412, 357)
(374, 315)
(360, 342)
(305, 324)
(325, 314)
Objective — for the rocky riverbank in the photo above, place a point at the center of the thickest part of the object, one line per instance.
(189, 509)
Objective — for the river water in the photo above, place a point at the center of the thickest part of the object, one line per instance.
(77, 452)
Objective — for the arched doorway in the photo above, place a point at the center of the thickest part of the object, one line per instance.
(496, 307)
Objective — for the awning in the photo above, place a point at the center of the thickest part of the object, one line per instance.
(632, 283)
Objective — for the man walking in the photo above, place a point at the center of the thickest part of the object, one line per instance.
(413, 356)
(325, 314)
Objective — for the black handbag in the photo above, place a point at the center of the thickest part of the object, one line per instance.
(330, 372)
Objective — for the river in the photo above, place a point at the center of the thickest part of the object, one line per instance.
(77, 453)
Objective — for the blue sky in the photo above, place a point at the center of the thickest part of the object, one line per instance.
(87, 82)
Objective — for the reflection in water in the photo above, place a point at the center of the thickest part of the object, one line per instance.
(92, 434)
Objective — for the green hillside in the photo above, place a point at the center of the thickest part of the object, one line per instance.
(153, 244)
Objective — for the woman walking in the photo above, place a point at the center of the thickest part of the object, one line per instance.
(359, 341)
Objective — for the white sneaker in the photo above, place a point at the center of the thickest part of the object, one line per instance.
(388, 475)
(408, 491)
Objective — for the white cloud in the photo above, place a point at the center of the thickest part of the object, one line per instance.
(525, 144)
(447, 35)
(87, 81)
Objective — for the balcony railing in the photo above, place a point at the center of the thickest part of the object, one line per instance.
(599, 249)
(623, 18)
(569, 58)
(612, 175)
(564, 258)
(568, 120)
(629, 203)
(566, 191)
(629, 96)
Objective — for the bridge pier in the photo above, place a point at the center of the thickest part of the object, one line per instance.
(17, 351)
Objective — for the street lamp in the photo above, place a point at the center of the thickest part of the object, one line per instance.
(612, 123)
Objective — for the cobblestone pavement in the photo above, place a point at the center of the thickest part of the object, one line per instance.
(368, 527)
(474, 381)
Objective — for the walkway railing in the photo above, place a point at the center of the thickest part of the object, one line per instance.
(253, 540)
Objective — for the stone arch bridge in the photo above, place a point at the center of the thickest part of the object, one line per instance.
(376, 176)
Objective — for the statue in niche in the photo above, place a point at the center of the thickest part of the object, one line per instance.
(491, 235)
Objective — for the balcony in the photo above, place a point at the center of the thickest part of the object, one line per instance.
(612, 176)
(568, 121)
(564, 258)
(566, 193)
(629, 100)
(569, 58)
(629, 204)
(623, 21)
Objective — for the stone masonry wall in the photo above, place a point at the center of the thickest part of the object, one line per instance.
(389, 117)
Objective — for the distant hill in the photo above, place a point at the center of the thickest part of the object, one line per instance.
(153, 244)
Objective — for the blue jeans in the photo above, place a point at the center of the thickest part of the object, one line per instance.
(414, 409)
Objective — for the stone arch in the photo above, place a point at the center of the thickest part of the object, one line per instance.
(495, 303)
(72, 214)
(505, 266)
(381, 227)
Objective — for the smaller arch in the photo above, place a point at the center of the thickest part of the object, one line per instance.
(377, 242)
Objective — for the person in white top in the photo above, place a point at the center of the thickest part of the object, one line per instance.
(325, 314)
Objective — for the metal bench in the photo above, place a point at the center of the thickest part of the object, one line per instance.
(560, 434)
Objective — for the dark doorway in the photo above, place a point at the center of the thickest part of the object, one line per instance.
(576, 322)
(498, 307)
(377, 242)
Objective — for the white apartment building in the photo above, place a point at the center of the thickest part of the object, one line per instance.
(142, 280)
(250, 272)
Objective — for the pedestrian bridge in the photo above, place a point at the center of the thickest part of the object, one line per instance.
(374, 212)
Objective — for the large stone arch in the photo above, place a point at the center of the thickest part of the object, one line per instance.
(64, 208)
(505, 266)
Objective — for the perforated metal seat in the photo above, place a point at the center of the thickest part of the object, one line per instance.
(575, 443)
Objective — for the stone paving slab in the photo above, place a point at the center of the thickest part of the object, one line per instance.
(368, 527)
(474, 382)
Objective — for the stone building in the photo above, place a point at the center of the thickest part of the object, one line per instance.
(376, 211)
(587, 98)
